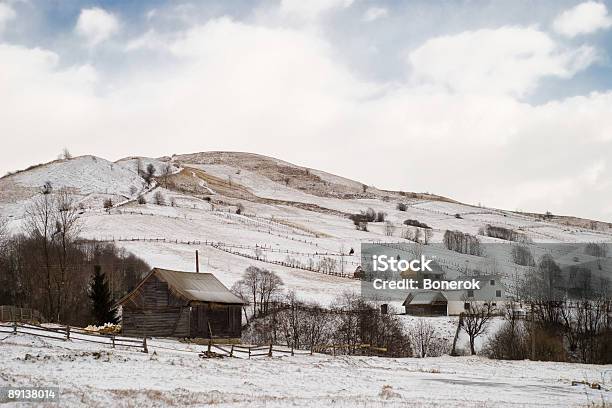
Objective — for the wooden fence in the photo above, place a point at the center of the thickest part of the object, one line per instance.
(217, 350)
(12, 313)
(66, 333)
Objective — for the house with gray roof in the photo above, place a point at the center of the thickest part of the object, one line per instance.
(421, 302)
(170, 303)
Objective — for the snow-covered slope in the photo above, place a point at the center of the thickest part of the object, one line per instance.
(89, 179)
(288, 214)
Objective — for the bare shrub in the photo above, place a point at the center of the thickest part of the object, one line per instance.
(462, 242)
(424, 341)
(389, 228)
(158, 198)
(521, 255)
(416, 223)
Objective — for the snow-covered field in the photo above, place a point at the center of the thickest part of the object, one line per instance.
(298, 215)
(98, 376)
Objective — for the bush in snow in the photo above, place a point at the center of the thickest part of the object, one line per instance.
(158, 198)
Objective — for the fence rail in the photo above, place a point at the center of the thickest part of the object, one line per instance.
(66, 333)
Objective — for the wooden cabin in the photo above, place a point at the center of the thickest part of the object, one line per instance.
(181, 304)
(426, 303)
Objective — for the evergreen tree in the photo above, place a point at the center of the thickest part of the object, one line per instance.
(101, 300)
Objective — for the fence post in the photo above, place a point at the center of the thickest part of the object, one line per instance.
(14, 325)
(292, 349)
(249, 353)
(113, 340)
(68, 332)
(144, 345)
(270, 352)
(232, 351)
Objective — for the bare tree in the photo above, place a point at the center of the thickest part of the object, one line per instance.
(269, 285)
(476, 321)
(4, 235)
(417, 235)
(259, 286)
(427, 235)
(166, 172)
(422, 337)
(39, 225)
(389, 228)
(65, 154)
(150, 172)
(67, 229)
(328, 265)
(158, 198)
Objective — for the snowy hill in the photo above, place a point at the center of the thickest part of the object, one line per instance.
(291, 217)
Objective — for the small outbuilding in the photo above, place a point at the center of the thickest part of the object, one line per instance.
(170, 303)
(426, 303)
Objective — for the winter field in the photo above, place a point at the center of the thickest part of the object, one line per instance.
(288, 214)
(98, 376)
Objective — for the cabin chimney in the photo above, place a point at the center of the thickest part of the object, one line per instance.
(197, 262)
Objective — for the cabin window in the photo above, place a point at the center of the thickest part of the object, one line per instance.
(498, 293)
(466, 306)
(470, 293)
(492, 282)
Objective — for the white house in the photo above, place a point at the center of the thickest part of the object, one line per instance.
(453, 302)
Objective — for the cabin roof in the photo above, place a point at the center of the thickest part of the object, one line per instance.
(192, 286)
(424, 298)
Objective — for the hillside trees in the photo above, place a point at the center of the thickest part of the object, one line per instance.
(258, 287)
(149, 173)
(48, 268)
(463, 243)
(521, 255)
(350, 321)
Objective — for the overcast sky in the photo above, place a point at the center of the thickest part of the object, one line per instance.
(504, 103)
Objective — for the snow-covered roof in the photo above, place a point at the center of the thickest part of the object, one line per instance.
(204, 287)
(425, 298)
(193, 286)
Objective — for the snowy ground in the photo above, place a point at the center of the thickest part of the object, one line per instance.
(96, 375)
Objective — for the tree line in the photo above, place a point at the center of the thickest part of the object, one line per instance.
(47, 267)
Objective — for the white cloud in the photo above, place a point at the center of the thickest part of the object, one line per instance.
(374, 13)
(311, 9)
(508, 60)
(96, 25)
(584, 18)
(6, 14)
(284, 92)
